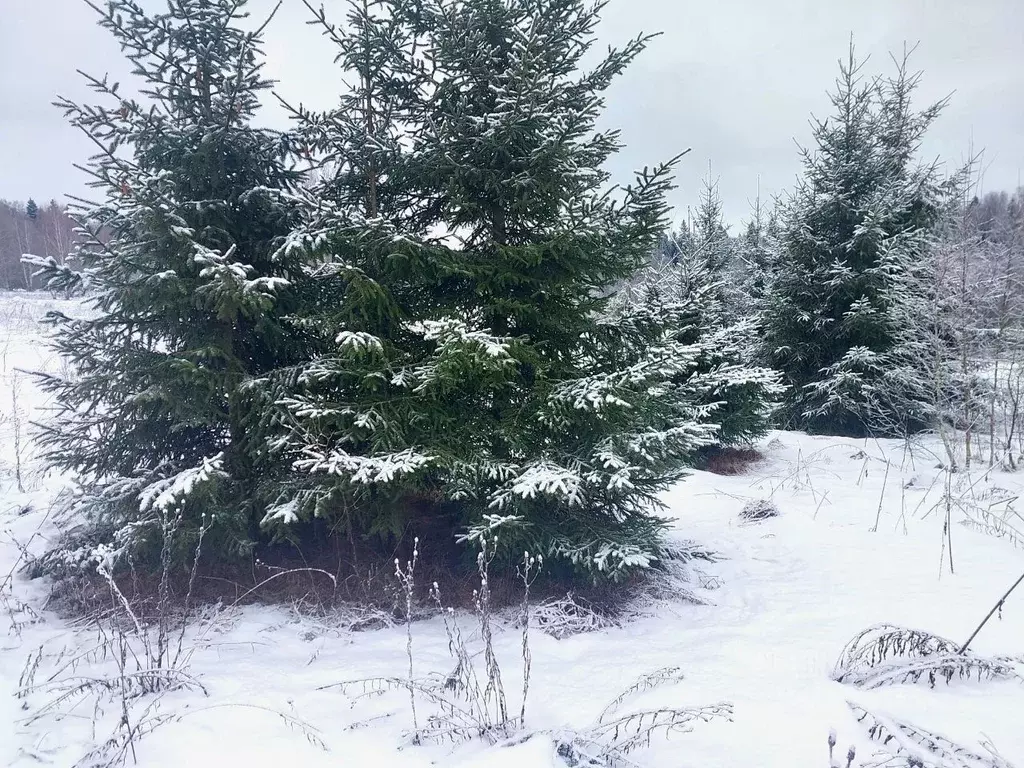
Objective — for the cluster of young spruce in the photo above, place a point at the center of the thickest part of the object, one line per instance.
(428, 301)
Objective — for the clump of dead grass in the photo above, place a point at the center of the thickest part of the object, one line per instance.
(729, 460)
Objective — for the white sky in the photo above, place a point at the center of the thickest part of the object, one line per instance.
(736, 80)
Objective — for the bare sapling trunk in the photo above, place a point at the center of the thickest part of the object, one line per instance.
(16, 420)
(997, 607)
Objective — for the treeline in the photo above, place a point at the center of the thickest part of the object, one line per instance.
(30, 229)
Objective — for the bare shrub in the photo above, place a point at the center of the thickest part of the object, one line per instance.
(562, 617)
(150, 655)
(17, 418)
(886, 654)
(407, 580)
(911, 746)
(994, 517)
(756, 510)
(613, 737)
(528, 571)
(469, 701)
(19, 613)
(729, 460)
(150, 658)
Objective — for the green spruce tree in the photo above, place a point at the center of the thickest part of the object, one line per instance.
(687, 287)
(479, 376)
(757, 255)
(710, 235)
(859, 220)
(31, 209)
(188, 288)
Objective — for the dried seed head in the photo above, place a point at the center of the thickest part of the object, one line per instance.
(831, 738)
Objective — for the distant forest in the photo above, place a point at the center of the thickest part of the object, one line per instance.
(29, 228)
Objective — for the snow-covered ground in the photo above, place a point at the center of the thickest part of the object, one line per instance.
(859, 541)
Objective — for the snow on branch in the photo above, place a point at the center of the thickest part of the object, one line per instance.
(169, 492)
(228, 289)
(542, 478)
(364, 470)
(452, 334)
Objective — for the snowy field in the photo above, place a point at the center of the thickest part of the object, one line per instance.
(861, 539)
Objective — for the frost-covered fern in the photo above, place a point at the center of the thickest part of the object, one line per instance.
(914, 747)
(644, 683)
(886, 654)
(614, 736)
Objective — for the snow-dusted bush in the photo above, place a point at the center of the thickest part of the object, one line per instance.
(756, 510)
(886, 654)
(570, 615)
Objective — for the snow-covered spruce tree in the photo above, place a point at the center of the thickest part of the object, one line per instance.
(756, 254)
(724, 385)
(369, 268)
(859, 218)
(187, 289)
(672, 244)
(702, 246)
(694, 283)
(712, 246)
(475, 376)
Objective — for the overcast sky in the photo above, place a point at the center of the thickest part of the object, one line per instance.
(736, 80)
